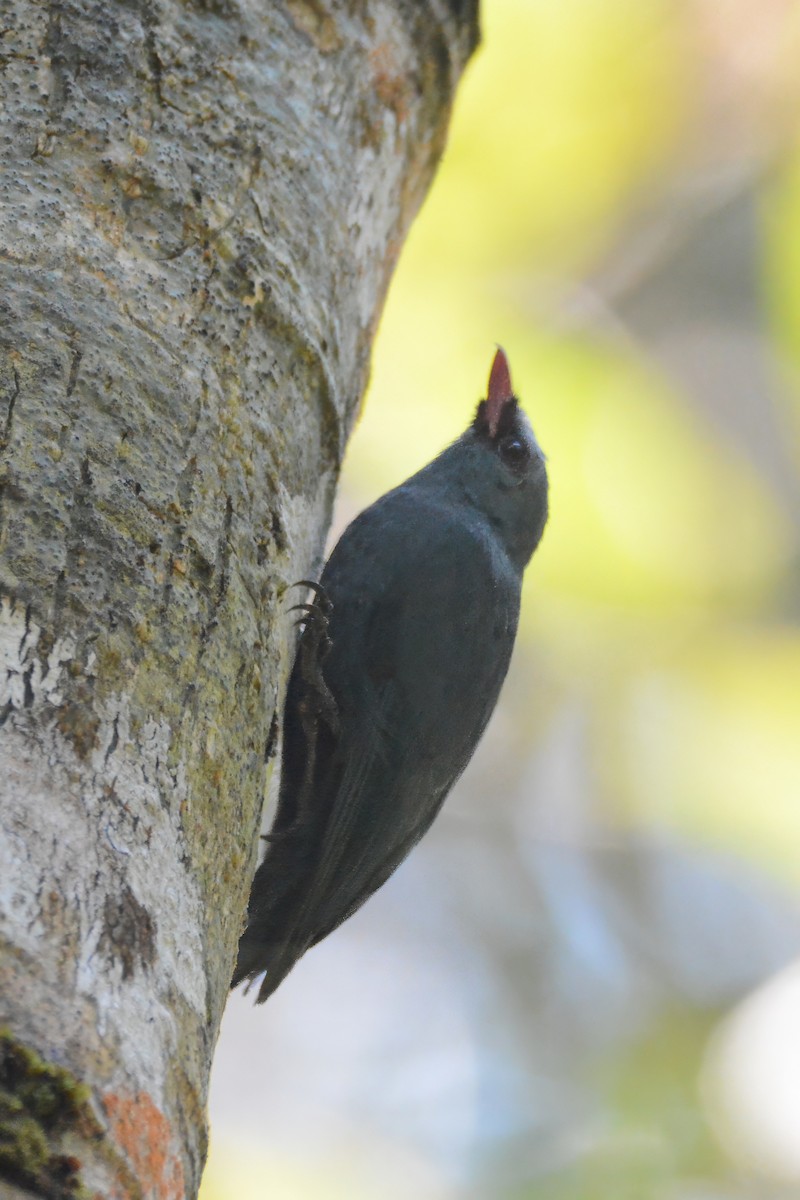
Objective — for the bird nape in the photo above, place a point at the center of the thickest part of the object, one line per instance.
(403, 652)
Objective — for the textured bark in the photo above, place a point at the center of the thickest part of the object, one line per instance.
(201, 206)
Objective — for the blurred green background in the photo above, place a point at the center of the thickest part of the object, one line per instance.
(582, 984)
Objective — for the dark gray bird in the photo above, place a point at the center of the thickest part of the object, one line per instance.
(398, 669)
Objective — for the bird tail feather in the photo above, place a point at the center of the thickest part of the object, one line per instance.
(254, 951)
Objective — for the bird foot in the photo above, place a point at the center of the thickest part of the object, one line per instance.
(317, 702)
(314, 704)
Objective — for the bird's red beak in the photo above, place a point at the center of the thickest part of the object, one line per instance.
(499, 391)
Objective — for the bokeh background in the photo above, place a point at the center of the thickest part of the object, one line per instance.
(585, 982)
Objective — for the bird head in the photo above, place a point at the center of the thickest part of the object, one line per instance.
(503, 472)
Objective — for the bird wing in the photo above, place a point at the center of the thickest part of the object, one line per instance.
(415, 667)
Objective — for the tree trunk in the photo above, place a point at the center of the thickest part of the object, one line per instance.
(201, 205)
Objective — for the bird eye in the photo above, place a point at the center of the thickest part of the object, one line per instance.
(514, 452)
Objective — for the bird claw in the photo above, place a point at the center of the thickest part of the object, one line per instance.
(321, 595)
(315, 644)
(313, 612)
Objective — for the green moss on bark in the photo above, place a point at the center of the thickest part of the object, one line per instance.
(39, 1104)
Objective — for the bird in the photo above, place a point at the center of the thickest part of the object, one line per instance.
(403, 651)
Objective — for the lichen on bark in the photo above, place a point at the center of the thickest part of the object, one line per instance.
(40, 1105)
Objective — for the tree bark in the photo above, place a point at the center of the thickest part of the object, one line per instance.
(201, 205)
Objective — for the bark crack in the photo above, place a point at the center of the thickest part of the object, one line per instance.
(5, 438)
(184, 494)
(165, 344)
(153, 57)
(77, 355)
(242, 192)
(114, 742)
(80, 512)
(56, 47)
(71, 416)
(224, 552)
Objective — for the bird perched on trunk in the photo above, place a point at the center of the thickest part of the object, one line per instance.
(403, 653)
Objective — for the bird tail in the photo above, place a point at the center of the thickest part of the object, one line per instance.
(260, 951)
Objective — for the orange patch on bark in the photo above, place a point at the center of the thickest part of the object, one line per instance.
(144, 1135)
